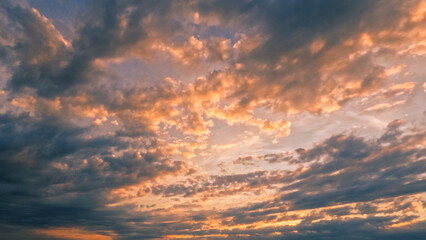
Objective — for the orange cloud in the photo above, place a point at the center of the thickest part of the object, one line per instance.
(75, 234)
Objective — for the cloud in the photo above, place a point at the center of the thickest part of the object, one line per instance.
(72, 233)
(53, 173)
(262, 69)
(269, 158)
(340, 169)
(37, 51)
(51, 65)
(343, 180)
(87, 153)
(313, 63)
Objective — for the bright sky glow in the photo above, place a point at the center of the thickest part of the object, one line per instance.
(212, 119)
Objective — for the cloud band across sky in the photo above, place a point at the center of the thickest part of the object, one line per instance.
(212, 119)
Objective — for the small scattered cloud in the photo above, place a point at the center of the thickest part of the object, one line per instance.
(88, 151)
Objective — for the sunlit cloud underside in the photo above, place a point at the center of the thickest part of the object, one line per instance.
(124, 120)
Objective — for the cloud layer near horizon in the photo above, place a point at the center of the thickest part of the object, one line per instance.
(177, 119)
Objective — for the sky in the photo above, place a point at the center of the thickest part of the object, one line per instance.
(212, 119)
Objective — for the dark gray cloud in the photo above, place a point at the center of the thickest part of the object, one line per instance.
(60, 167)
(269, 158)
(40, 58)
(341, 169)
(37, 51)
(344, 169)
(53, 174)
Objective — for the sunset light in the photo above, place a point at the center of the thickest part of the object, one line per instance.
(213, 119)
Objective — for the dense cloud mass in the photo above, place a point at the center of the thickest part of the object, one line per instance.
(212, 119)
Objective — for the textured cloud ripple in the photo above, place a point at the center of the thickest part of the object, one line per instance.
(212, 119)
